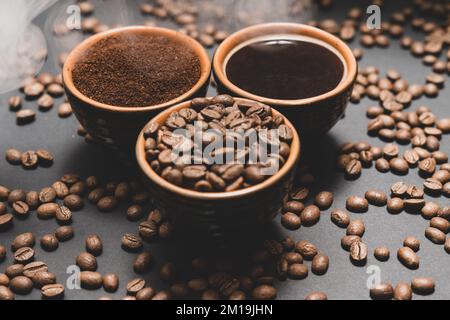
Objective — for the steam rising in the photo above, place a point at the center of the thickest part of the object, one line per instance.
(23, 47)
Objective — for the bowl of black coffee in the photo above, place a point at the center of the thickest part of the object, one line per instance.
(304, 72)
(117, 80)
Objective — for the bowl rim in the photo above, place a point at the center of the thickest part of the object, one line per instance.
(75, 54)
(275, 28)
(289, 165)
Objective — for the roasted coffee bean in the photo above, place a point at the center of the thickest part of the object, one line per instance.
(143, 262)
(435, 235)
(135, 285)
(310, 215)
(78, 188)
(24, 255)
(29, 160)
(399, 166)
(414, 205)
(264, 292)
(47, 210)
(131, 242)
(320, 264)
(96, 194)
(5, 220)
(74, 202)
(167, 272)
(423, 285)
(324, 200)
(32, 199)
(2, 253)
(6, 293)
(382, 165)
(408, 258)
(26, 239)
(447, 246)
(340, 218)
(356, 228)
(61, 189)
(294, 207)
(2, 208)
(382, 253)
(64, 233)
(14, 270)
(91, 280)
(430, 210)
(45, 157)
(135, 212)
(414, 192)
(291, 221)
(427, 166)
(64, 110)
(107, 204)
(299, 194)
(13, 156)
(94, 244)
(47, 195)
(63, 215)
(298, 271)
(49, 242)
(110, 282)
(45, 102)
(402, 291)
(318, 296)
(382, 291)
(399, 189)
(358, 252)
(86, 262)
(440, 224)
(4, 193)
(25, 116)
(376, 197)
(43, 278)
(353, 169)
(145, 294)
(21, 285)
(412, 243)
(15, 103)
(20, 208)
(148, 230)
(433, 186)
(306, 249)
(52, 291)
(357, 204)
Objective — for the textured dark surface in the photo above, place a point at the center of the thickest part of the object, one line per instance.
(342, 281)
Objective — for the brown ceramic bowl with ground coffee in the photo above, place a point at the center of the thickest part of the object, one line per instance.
(304, 72)
(213, 211)
(117, 80)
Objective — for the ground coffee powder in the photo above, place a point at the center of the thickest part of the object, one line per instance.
(136, 70)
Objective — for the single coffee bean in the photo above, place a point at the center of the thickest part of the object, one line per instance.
(145, 294)
(47, 210)
(435, 235)
(4, 193)
(45, 157)
(317, 296)
(408, 258)
(74, 202)
(26, 239)
(21, 209)
(382, 165)
(430, 210)
(91, 280)
(320, 264)
(78, 188)
(395, 205)
(264, 292)
(52, 291)
(294, 207)
(358, 252)
(382, 291)
(6, 220)
(293, 257)
(32, 199)
(21, 285)
(63, 215)
(96, 194)
(412, 243)
(414, 192)
(298, 271)
(377, 198)
(353, 169)
(306, 249)
(382, 253)
(29, 160)
(86, 262)
(49, 242)
(131, 242)
(340, 218)
(107, 204)
(64, 110)
(399, 166)
(356, 228)
(64, 233)
(14, 270)
(43, 278)
(357, 204)
(2, 253)
(25, 116)
(310, 215)
(414, 205)
(135, 285)
(423, 285)
(291, 221)
(61, 189)
(143, 262)
(447, 246)
(324, 200)
(402, 291)
(135, 212)
(148, 230)
(13, 156)
(6, 293)
(24, 255)
(440, 224)
(110, 282)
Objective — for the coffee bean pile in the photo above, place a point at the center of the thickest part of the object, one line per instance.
(220, 114)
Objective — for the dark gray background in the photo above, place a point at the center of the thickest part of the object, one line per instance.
(342, 281)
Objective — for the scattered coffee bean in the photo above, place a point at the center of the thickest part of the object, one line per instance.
(64, 233)
(408, 258)
(423, 285)
(382, 253)
(382, 291)
(49, 242)
(377, 198)
(135, 285)
(310, 215)
(320, 264)
(340, 218)
(24, 255)
(291, 221)
(52, 291)
(26, 239)
(110, 282)
(357, 204)
(435, 235)
(131, 242)
(94, 245)
(63, 215)
(324, 200)
(358, 252)
(306, 249)
(43, 278)
(91, 280)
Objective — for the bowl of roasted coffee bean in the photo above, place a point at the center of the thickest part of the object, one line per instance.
(304, 72)
(117, 80)
(219, 164)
